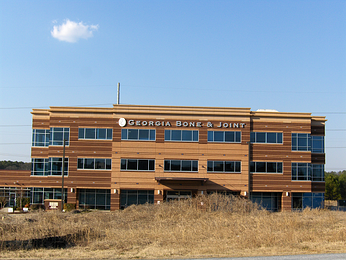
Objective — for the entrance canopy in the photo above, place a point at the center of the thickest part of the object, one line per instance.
(171, 179)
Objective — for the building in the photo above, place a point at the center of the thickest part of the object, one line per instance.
(131, 154)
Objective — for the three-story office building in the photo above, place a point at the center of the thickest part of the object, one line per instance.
(129, 154)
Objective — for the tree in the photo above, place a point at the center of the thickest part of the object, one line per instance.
(335, 185)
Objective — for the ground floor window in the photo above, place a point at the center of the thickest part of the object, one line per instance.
(304, 200)
(135, 197)
(270, 201)
(94, 199)
(224, 192)
(10, 196)
(38, 195)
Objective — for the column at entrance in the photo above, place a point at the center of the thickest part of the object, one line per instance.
(72, 196)
(158, 196)
(115, 199)
(286, 201)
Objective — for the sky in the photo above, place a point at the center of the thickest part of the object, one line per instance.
(285, 55)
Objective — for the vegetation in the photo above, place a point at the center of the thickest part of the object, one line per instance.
(10, 165)
(335, 185)
(213, 226)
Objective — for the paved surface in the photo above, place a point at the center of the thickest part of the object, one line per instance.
(287, 257)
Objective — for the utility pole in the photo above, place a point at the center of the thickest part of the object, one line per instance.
(62, 178)
(118, 94)
(249, 162)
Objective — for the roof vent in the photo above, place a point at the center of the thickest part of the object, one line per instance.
(267, 110)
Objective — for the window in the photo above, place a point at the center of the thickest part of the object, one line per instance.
(317, 172)
(271, 201)
(301, 172)
(303, 200)
(94, 199)
(224, 166)
(181, 166)
(40, 137)
(224, 136)
(40, 194)
(266, 167)
(58, 134)
(138, 134)
(264, 137)
(95, 133)
(40, 166)
(301, 142)
(317, 143)
(181, 135)
(56, 166)
(94, 164)
(137, 165)
(136, 197)
(48, 166)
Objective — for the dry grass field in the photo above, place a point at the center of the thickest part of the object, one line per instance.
(221, 227)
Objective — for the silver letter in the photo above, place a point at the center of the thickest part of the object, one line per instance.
(178, 123)
(131, 122)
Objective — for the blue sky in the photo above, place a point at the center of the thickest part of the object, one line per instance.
(283, 55)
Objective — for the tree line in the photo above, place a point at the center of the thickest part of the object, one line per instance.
(11, 165)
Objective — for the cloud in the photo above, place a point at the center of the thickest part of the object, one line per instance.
(71, 31)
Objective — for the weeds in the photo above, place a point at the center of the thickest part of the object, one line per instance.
(212, 225)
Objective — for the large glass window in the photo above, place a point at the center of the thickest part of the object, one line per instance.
(40, 137)
(301, 172)
(94, 164)
(181, 135)
(266, 167)
(94, 199)
(266, 137)
(317, 172)
(224, 166)
(138, 134)
(48, 166)
(317, 143)
(137, 165)
(304, 200)
(301, 142)
(307, 172)
(271, 201)
(40, 166)
(181, 165)
(58, 135)
(95, 133)
(56, 166)
(224, 136)
(136, 197)
(38, 195)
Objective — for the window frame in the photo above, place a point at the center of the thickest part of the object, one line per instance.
(65, 131)
(254, 136)
(211, 164)
(126, 161)
(194, 135)
(194, 165)
(253, 167)
(46, 137)
(83, 136)
(151, 134)
(107, 161)
(211, 136)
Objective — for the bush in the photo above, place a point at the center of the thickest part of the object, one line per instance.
(69, 206)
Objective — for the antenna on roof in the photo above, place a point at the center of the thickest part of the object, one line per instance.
(118, 94)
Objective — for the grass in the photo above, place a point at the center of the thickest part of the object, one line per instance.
(218, 228)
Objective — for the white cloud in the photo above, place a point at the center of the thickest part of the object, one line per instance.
(71, 31)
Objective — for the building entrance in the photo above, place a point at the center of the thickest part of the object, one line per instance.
(178, 195)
